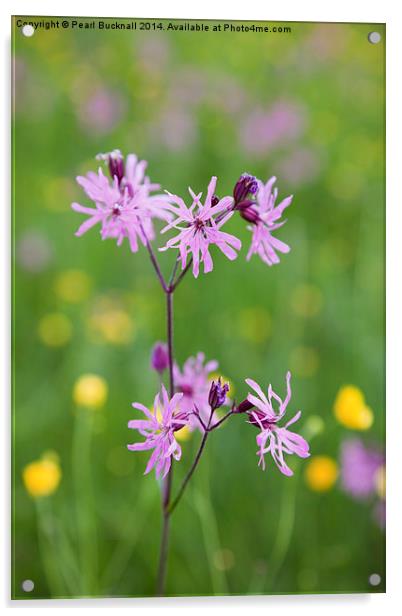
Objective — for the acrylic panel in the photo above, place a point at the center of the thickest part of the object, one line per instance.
(198, 314)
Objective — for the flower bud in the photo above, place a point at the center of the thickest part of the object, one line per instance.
(243, 407)
(250, 214)
(116, 165)
(217, 394)
(115, 161)
(246, 184)
(160, 357)
(243, 205)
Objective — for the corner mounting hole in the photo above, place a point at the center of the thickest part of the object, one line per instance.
(374, 579)
(28, 30)
(374, 37)
(28, 585)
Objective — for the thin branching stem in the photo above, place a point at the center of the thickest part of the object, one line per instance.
(154, 262)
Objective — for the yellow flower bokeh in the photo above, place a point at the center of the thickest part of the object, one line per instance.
(73, 286)
(109, 322)
(306, 300)
(321, 473)
(42, 477)
(90, 390)
(379, 482)
(53, 188)
(183, 435)
(351, 410)
(55, 329)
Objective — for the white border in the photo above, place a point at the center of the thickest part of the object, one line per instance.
(286, 10)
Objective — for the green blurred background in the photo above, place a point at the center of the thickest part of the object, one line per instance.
(306, 106)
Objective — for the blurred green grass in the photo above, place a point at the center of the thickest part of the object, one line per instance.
(206, 87)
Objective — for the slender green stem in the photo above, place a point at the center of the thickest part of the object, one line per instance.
(167, 484)
(224, 418)
(85, 511)
(194, 465)
(173, 274)
(154, 261)
(168, 290)
(181, 275)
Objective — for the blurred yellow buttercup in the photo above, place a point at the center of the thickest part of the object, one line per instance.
(379, 482)
(109, 322)
(90, 390)
(321, 473)
(351, 410)
(42, 477)
(73, 286)
(55, 329)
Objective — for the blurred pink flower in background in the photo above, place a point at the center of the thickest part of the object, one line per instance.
(324, 46)
(34, 251)
(101, 111)
(153, 52)
(194, 382)
(33, 95)
(263, 130)
(176, 129)
(20, 73)
(301, 166)
(226, 94)
(359, 465)
(188, 86)
(326, 41)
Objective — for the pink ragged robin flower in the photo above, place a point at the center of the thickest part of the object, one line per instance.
(124, 206)
(158, 428)
(359, 465)
(274, 439)
(264, 217)
(200, 227)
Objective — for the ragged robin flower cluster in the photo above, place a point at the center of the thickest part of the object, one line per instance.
(126, 204)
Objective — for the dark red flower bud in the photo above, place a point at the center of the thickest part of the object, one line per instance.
(217, 394)
(243, 407)
(250, 214)
(116, 165)
(246, 184)
(160, 357)
(243, 205)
